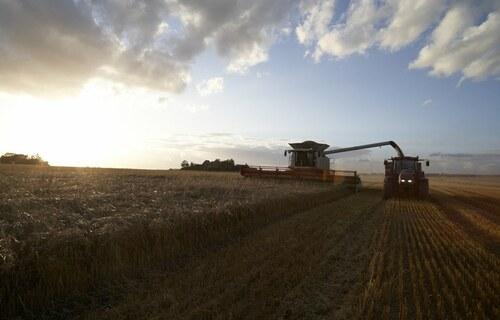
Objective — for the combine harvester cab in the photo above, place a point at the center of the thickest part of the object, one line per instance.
(307, 161)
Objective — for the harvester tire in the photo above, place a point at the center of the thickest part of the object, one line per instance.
(388, 190)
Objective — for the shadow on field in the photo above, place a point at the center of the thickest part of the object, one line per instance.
(60, 277)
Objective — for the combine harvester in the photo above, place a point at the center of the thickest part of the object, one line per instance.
(308, 160)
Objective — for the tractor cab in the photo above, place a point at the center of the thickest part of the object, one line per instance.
(397, 165)
(308, 154)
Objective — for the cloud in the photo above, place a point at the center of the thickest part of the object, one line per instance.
(48, 45)
(487, 156)
(262, 74)
(465, 36)
(427, 102)
(248, 58)
(349, 154)
(222, 145)
(449, 163)
(195, 108)
(355, 35)
(470, 163)
(210, 86)
(408, 20)
(259, 151)
(55, 46)
(460, 46)
(316, 18)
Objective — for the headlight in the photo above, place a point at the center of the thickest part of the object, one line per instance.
(403, 180)
(410, 181)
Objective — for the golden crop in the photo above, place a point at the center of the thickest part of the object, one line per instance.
(117, 244)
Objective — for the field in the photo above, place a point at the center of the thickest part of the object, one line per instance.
(123, 244)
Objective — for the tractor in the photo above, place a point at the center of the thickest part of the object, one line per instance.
(404, 176)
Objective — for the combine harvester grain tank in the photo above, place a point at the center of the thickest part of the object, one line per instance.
(308, 161)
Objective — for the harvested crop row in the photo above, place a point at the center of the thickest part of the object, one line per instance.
(427, 268)
(479, 223)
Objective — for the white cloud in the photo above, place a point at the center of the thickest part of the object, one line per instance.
(246, 59)
(210, 86)
(243, 149)
(427, 102)
(468, 163)
(356, 34)
(317, 15)
(461, 43)
(459, 46)
(390, 24)
(262, 74)
(409, 20)
(286, 31)
(195, 108)
(55, 46)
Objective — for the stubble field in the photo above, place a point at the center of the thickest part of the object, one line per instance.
(175, 245)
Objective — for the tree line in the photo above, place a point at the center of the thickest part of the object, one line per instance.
(16, 158)
(216, 165)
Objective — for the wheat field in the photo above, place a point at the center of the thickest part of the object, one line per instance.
(226, 247)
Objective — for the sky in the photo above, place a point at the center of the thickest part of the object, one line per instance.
(147, 84)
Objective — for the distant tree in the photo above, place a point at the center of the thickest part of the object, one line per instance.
(216, 165)
(184, 164)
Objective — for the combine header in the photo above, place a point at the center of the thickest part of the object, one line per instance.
(308, 160)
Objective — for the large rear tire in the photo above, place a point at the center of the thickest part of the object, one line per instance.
(423, 189)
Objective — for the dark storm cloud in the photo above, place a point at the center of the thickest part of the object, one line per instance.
(55, 46)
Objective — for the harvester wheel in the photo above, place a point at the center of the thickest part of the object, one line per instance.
(388, 190)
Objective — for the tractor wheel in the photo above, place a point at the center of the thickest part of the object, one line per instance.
(423, 189)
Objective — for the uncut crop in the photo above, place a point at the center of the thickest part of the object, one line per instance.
(71, 236)
(40, 203)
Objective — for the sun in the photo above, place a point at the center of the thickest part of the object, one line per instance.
(83, 130)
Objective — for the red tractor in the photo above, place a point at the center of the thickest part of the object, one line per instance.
(404, 175)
